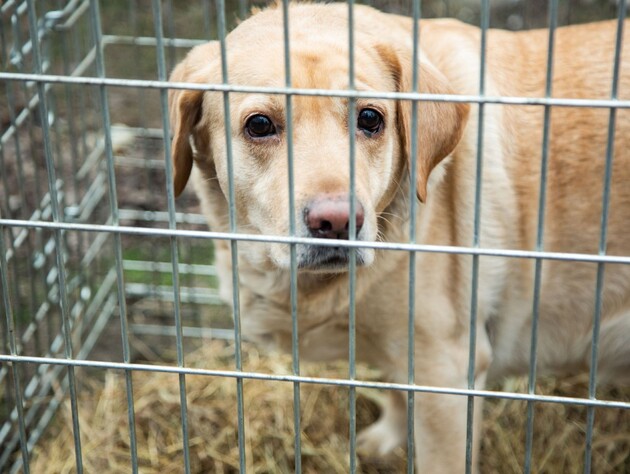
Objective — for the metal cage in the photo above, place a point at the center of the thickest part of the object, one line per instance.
(81, 131)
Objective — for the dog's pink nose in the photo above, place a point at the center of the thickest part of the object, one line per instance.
(328, 217)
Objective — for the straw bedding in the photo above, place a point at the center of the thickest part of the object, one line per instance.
(558, 435)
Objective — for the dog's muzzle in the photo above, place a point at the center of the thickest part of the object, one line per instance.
(328, 217)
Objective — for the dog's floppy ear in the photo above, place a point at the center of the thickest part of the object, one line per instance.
(185, 108)
(440, 124)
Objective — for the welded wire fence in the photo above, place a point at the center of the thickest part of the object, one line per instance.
(83, 121)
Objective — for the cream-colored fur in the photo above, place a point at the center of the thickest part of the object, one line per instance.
(446, 161)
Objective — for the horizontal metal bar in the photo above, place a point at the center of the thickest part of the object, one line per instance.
(187, 331)
(139, 132)
(422, 97)
(317, 380)
(167, 267)
(166, 293)
(139, 162)
(149, 41)
(198, 234)
(158, 216)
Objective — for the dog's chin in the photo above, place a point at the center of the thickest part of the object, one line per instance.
(315, 259)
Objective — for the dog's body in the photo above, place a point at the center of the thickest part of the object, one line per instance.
(447, 150)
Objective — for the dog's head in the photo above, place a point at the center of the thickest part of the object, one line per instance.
(258, 125)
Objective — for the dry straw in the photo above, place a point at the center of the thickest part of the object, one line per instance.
(559, 431)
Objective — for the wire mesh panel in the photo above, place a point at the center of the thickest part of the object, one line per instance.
(103, 270)
(50, 172)
(62, 150)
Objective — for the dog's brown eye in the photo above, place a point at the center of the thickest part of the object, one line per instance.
(260, 126)
(370, 121)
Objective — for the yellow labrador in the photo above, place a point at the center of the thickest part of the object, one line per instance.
(446, 167)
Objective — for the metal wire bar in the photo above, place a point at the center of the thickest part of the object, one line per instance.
(170, 31)
(193, 332)
(17, 385)
(295, 365)
(206, 18)
(58, 239)
(199, 234)
(179, 340)
(42, 254)
(104, 310)
(145, 161)
(317, 380)
(344, 93)
(113, 206)
(413, 170)
(220, 5)
(472, 344)
(542, 193)
(603, 238)
(136, 40)
(9, 331)
(352, 230)
(25, 116)
(24, 211)
(72, 131)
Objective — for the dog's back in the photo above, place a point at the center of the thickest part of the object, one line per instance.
(577, 152)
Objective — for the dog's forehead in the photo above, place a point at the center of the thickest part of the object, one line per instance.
(319, 52)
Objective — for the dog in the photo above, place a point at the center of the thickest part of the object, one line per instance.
(445, 176)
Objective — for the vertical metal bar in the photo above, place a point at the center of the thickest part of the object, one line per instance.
(4, 204)
(542, 193)
(78, 56)
(170, 27)
(472, 347)
(79, 41)
(242, 9)
(72, 128)
(207, 28)
(162, 76)
(24, 210)
(19, 402)
(58, 237)
(292, 232)
(133, 20)
(233, 243)
(113, 205)
(411, 377)
(603, 237)
(4, 56)
(52, 111)
(30, 125)
(352, 229)
(143, 122)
